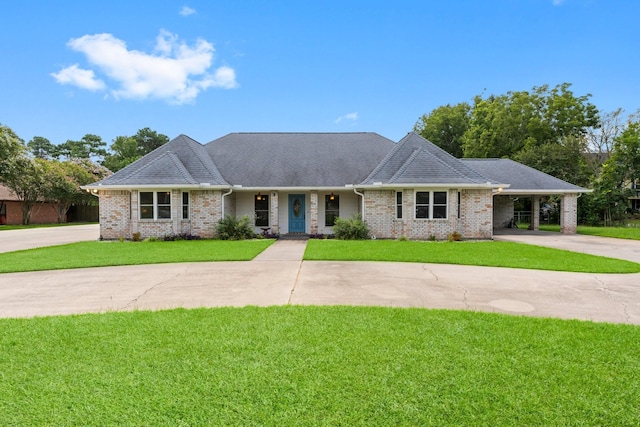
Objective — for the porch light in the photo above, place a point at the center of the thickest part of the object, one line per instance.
(259, 196)
(332, 197)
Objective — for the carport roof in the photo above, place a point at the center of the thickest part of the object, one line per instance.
(522, 179)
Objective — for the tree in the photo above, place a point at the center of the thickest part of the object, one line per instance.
(89, 147)
(445, 126)
(42, 148)
(503, 125)
(25, 178)
(127, 149)
(11, 146)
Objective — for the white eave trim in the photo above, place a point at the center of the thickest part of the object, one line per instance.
(492, 186)
(154, 186)
(525, 192)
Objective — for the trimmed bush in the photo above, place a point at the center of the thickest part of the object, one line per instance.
(232, 228)
(353, 228)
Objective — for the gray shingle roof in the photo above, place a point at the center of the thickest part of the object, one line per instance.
(181, 161)
(415, 160)
(298, 159)
(520, 177)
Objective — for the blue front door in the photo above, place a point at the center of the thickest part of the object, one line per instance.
(296, 213)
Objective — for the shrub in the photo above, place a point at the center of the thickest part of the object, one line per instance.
(455, 237)
(179, 236)
(232, 228)
(136, 237)
(353, 228)
(403, 238)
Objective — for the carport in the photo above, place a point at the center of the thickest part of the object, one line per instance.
(528, 182)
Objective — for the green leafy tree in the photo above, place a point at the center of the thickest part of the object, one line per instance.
(502, 126)
(61, 184)
(24, 176)
(42, 148)
(445, 126)
(127, 149)
(11, 146)
(89, 147)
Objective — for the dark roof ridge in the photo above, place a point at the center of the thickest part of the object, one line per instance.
(209, 165)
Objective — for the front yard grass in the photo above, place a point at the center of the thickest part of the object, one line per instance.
(632, 233)
(490, 254)
(323, 366)
(102, 254)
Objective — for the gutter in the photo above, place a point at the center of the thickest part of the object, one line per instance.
(223, 196)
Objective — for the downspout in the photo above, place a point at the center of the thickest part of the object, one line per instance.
(361, 198)
(223, 196)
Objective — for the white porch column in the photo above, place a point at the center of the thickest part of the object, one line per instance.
(314, 212)
(569, 214)
(535, 213)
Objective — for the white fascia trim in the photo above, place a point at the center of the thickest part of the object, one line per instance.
(542, 192)
(486, 186)
(154, 186)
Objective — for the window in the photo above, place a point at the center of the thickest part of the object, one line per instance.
(422, 204)
(155, 205)
(262, 210)
(185, 205)
(331, 209)
(431, 204)
(439, 204)
(459, 201)
(399, 204)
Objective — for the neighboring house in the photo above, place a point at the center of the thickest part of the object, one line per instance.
(11, 210)
(292, 183)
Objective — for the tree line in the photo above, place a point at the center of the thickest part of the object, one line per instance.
(39, 171)
(555, 131)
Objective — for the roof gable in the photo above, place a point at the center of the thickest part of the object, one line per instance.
(417, 161)
(180, 161)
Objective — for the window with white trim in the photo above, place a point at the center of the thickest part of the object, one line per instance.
(185, 205)
(431, 204)
(155, 205)
(399, 204)
(331, 209)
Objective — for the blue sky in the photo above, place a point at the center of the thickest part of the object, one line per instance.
(207, 68)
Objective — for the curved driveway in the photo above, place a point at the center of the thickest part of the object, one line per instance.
(278, 276)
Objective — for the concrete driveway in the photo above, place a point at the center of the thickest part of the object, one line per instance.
(15, 240)
(278, 276)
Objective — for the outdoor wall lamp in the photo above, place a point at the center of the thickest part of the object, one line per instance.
(259, 196)
(332, 197)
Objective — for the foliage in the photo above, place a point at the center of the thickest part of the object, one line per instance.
(127, 149)
(109, 253)
(454, 237)
(232, 228)
(488, 253)
(503, 125)
(179, 236)
(307, 365)
(25, 177)
(11, 146)
(41, 148)
(445, 127)
(353, 228)
(89, 147)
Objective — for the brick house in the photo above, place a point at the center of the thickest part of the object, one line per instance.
(291, 183)
(11, 210)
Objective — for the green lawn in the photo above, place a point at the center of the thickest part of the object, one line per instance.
(22, 227)
(325, 366)
(100, 254)
(493, 254)
(632, 233)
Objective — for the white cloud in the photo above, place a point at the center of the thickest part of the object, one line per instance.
(84, 79)
(186, 11)
(350, 116)
(175, 71)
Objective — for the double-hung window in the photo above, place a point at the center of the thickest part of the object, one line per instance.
(155, 205)
(185, 205)
(331, 209)
(261, 210)
(399, 204)
(431, 204)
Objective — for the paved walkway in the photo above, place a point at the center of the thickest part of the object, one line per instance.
(278, 276)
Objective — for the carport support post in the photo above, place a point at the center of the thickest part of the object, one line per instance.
(535, 213)
(569, 214)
